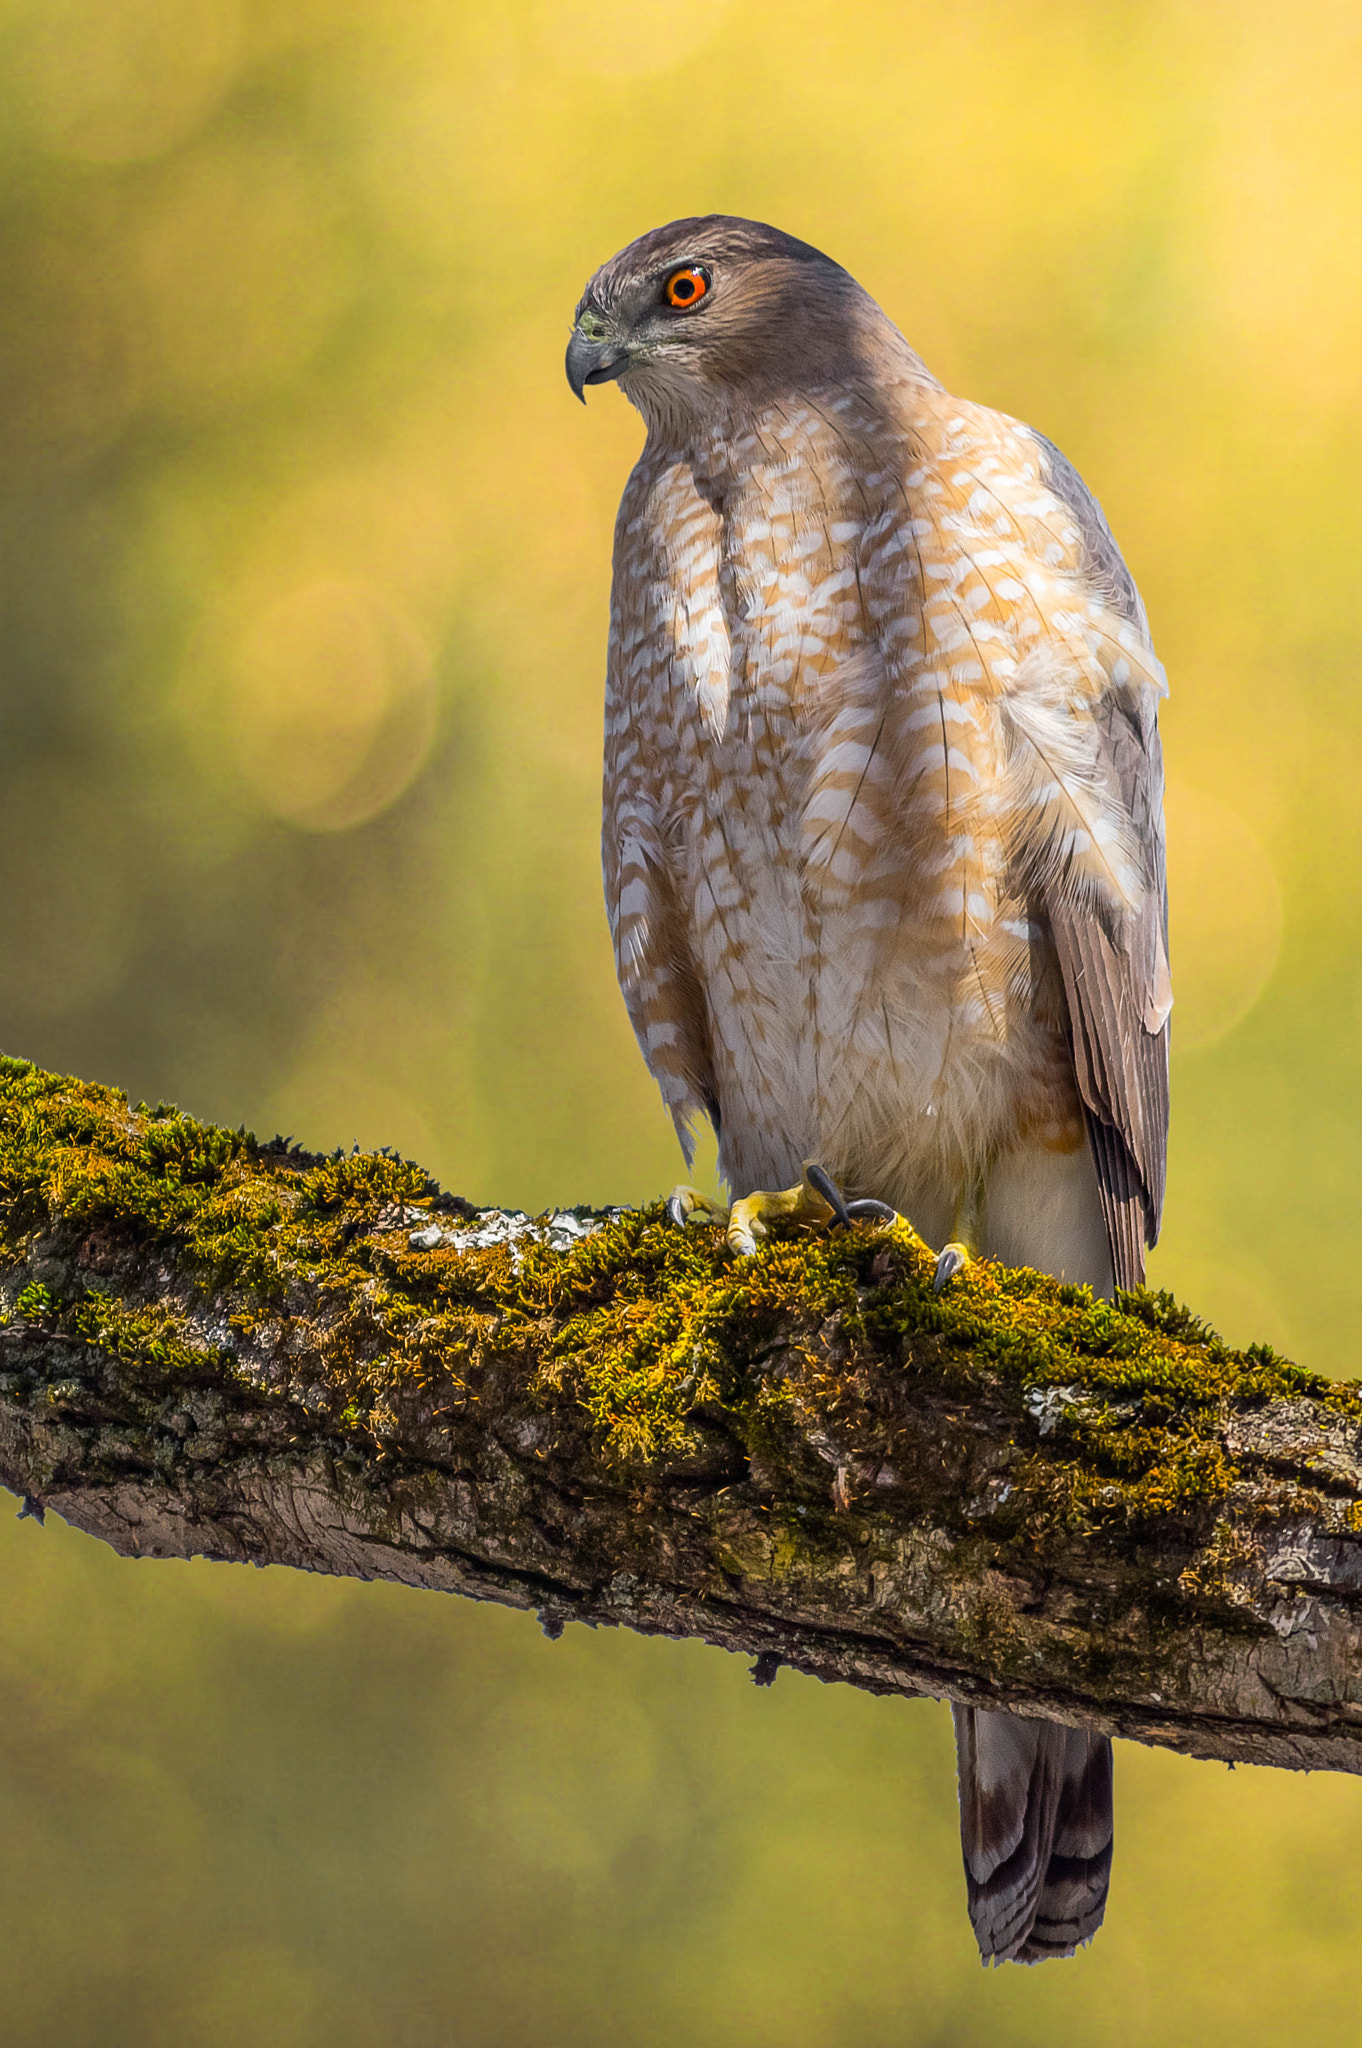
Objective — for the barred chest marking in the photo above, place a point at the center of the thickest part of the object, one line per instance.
(881, 627)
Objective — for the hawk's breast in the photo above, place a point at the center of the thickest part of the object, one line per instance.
(840, 621)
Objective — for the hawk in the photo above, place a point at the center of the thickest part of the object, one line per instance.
(883, 843)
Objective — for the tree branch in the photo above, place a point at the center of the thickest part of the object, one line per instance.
(1013, 1495)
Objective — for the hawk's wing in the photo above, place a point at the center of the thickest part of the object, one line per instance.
(1115, 977)
(1036, 1797)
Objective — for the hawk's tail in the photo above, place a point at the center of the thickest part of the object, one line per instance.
(1036, 1830)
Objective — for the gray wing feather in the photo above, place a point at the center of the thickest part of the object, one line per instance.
(1116, 983)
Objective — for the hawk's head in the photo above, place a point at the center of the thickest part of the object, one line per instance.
(696, 309)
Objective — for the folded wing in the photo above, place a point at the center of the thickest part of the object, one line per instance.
(1115, 967)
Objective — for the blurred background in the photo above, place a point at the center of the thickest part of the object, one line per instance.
(304, 559)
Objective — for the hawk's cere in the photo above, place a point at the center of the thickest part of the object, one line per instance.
(883, 840)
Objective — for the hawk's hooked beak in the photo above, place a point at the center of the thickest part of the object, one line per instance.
(593, 362)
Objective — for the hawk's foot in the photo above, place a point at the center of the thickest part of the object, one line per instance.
(687, 1205)
(952, 1259)
(747, 1219)
(817, 1199)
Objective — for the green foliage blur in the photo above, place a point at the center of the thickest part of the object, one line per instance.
(304, 558)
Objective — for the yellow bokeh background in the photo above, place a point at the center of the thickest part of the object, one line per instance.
(303, 595)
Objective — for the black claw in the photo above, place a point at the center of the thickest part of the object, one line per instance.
(823, 1184)
(676, 1208)
(947, 1266)
(873, 1211)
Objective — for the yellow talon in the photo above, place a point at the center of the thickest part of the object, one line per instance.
(951, 1259)
(960, 1252)
(816, 1200)
(689, 1205)
(748, 1218)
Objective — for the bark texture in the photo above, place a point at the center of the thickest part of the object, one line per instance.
(1013, 1495)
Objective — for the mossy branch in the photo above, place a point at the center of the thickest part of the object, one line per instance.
(1014, 1494)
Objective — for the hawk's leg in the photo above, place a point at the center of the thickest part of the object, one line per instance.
(964, 1242)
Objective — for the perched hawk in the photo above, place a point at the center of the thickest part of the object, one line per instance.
(884, 842)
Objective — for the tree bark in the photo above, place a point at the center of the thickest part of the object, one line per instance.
(1013, 1495)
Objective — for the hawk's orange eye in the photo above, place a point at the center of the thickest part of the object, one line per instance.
(687, 287)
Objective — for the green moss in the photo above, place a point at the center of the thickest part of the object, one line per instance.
(656, 1322)
(649, 1335)
(34, 1302)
